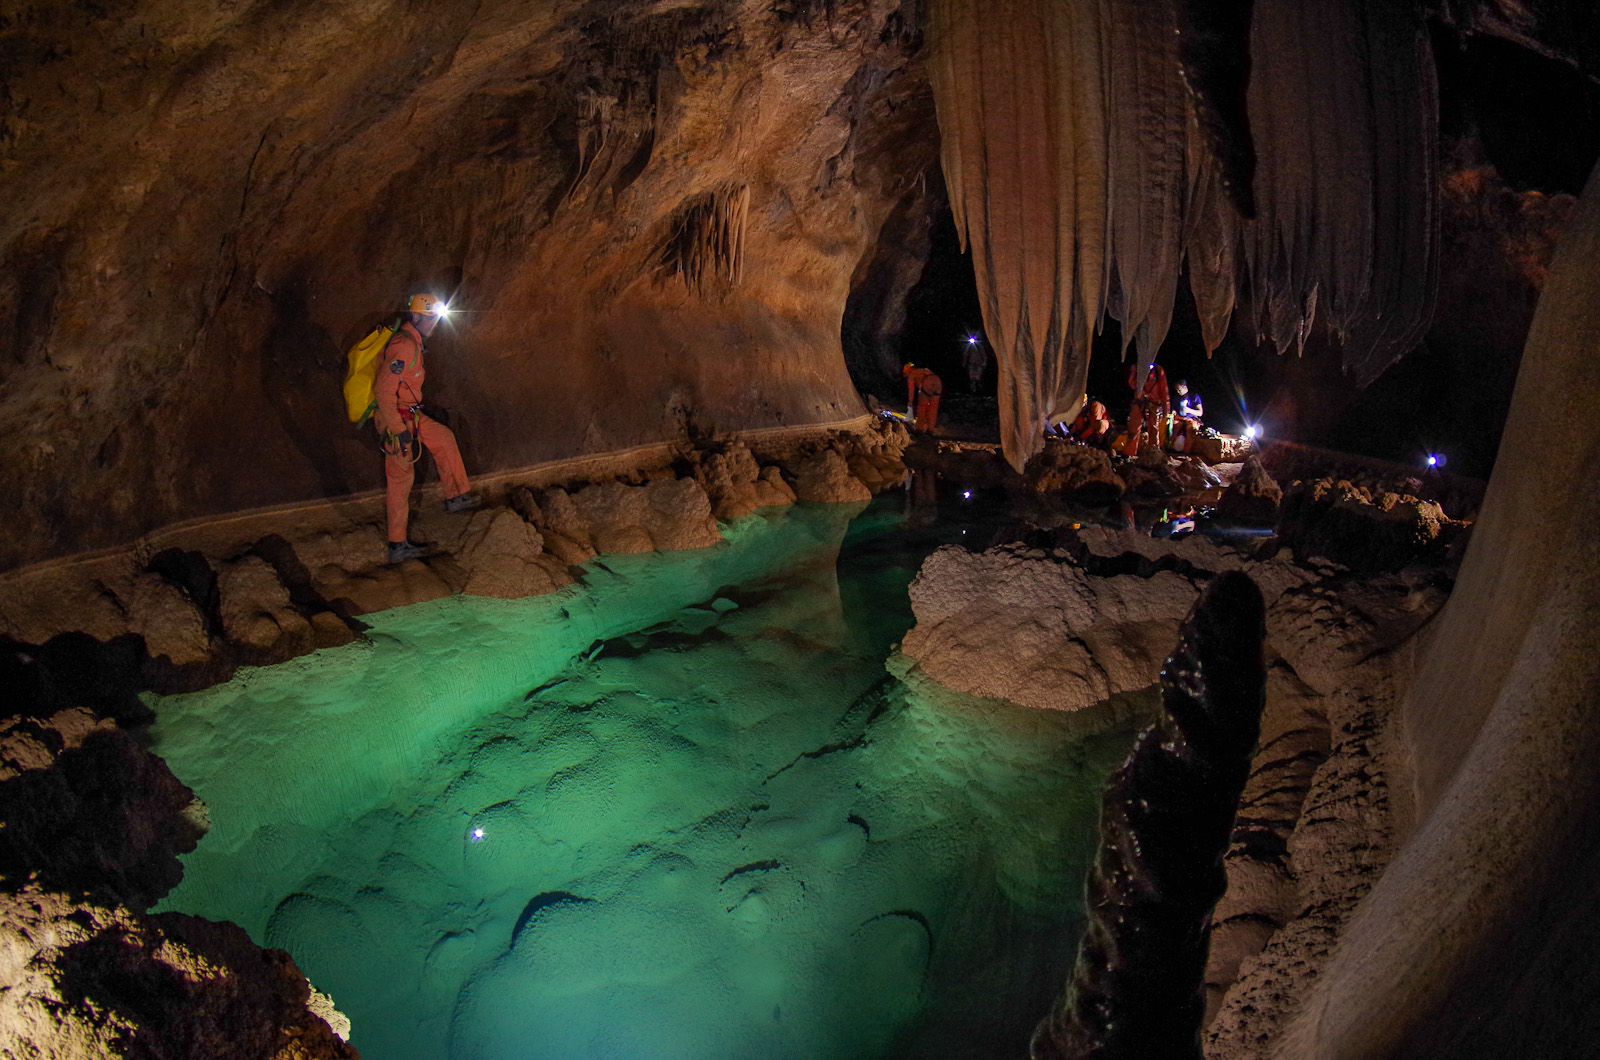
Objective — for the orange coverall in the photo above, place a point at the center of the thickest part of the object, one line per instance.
(399, 392)
(929, 387)
(1149, 409)
(922, 394)
(1092, 423)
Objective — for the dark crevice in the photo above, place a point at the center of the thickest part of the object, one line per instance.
(754, 866)
(538, 904)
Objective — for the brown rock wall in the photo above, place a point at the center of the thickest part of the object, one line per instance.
(206, 207)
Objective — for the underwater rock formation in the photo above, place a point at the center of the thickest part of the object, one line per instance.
(1135, 991)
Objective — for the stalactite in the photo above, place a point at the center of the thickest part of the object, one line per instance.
(706, 242)
(1146, 178)
(1018, 86)
(1405, 235)
(594, 128)
(1135, 993)
(1211, 238)
(1214, 48)
(1089, 151)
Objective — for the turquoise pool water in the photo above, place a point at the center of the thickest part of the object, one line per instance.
(681, 811)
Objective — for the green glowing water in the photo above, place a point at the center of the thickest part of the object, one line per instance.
(680, 812)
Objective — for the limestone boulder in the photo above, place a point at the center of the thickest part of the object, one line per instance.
(70, 599)
(729, 479)
(824, 477)
(1067, 627)
(28, 744)
(167, 619)
(504, 558)
(525, 503)
(1363, 530)
(1253, 497)
(614, 514)
(1078, 471)
(773, 490)
(561, 516)
(85, 808)
(1035, 629)
(255, 605)
(93, 979)
(1210, 450)
(677, 515)
(380, 587)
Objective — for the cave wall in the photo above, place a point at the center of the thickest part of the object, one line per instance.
(207, 203)
(1480, 936)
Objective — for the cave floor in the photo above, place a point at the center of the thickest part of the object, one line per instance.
(680, 810)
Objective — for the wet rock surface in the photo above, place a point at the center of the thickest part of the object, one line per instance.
(1364, 529)
(1166, 818)
(1067, 626)
(1064, 619)
(86, 809)
(274, 589)
(552, 169)
(1078, 471)
(1253, 497)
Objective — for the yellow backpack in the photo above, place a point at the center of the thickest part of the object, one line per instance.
(361, 372)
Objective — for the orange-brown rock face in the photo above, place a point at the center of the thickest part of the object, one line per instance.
(648, 215)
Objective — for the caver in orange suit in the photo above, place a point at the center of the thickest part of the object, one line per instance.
(402, 425)
(923, 389)
(929, 388)
(1150, 407)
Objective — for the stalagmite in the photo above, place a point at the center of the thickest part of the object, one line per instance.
(1165, 822)
(1087, 155)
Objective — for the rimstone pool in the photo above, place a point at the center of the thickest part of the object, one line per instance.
(679, 812)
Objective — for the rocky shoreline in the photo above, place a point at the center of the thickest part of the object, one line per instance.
(203, 600)
(93, 822)
(1066, 617)
(1073, 617)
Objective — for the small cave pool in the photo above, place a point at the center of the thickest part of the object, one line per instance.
(681, 811)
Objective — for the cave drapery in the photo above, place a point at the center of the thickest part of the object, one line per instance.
(1081, 181)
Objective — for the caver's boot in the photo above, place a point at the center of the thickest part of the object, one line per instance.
(463, 502)
(400, 551)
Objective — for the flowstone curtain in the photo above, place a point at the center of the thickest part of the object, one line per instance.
(1082, 181)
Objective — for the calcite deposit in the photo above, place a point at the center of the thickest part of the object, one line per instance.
(1092, 614)
(671, 230)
